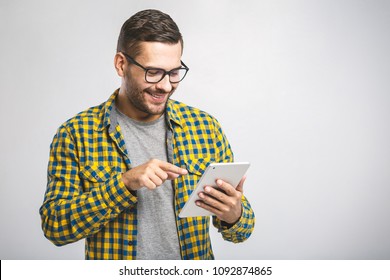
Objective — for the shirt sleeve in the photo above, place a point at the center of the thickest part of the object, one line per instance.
(242, 229)
(68, 213)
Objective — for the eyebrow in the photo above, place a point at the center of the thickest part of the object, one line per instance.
(159, 68)
(154, 68)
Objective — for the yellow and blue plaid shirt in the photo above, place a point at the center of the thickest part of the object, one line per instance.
(86, 197)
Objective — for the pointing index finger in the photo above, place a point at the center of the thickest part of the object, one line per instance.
(168, 167)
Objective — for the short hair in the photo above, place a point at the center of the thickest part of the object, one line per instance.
(147, 26)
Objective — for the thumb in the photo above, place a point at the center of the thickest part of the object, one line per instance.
(172, 176)
(240, 186)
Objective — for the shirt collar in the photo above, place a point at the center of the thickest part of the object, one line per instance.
(173, 114)
(105, 114)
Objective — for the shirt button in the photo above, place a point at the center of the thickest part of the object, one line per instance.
(131, 242)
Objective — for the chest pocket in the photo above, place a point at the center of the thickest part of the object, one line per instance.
(198, 165)
(95, 175)
(196, 168)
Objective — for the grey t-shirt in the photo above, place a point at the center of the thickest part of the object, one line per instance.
(157, 237)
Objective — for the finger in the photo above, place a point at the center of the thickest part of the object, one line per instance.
(240, 186)
(156, 180)
(172, 176)
(204, 205)
(211, 201)
(168, 167)
(229, 189)
(149, 184)
(161, 174)
(216, 193)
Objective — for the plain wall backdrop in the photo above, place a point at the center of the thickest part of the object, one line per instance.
(301, 88)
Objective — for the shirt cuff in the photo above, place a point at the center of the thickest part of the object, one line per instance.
(116, 195)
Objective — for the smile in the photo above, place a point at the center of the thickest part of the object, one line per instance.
(157, 96)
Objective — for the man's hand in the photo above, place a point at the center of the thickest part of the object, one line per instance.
(151, 174)
(224, 202)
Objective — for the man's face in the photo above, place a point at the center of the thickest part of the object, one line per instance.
(145, 101)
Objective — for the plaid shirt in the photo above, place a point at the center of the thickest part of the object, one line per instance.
(86, 197)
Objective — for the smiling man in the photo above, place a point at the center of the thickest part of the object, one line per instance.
(119, 173)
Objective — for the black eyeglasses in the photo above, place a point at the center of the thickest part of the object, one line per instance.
(155, 75)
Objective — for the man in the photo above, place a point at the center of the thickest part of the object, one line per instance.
(119, 173)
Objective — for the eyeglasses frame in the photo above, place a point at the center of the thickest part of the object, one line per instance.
(146, 69)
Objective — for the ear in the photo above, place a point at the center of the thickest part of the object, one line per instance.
(119, 63)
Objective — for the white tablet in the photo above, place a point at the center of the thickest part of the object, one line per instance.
(228, 172)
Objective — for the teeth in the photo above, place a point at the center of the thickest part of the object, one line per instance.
(156, 96)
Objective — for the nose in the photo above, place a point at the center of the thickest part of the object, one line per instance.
(164, 85)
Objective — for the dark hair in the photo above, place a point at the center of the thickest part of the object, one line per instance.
(147, 26)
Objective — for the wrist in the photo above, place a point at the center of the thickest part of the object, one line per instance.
(126, 181)
(230, 224)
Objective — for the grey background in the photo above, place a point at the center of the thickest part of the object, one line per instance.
(300, 87)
